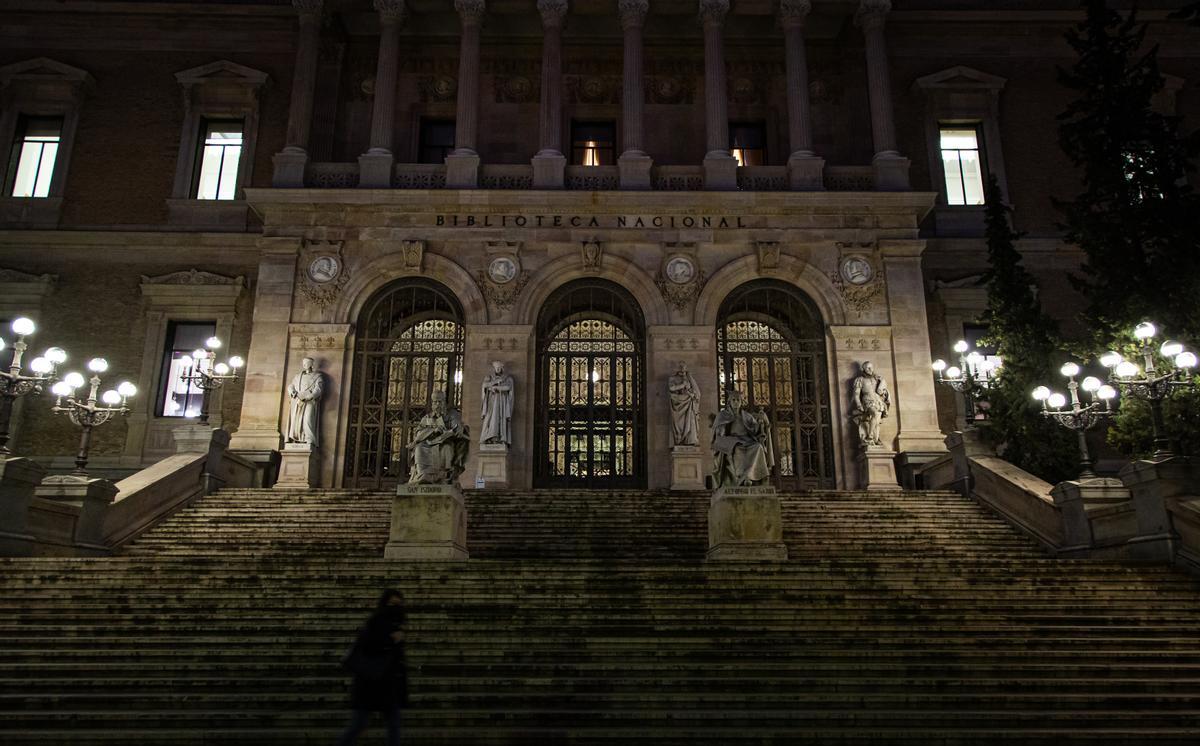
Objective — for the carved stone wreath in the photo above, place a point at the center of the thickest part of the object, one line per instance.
(859, 298)
(322, 294)
(680, 296)
(502, 296)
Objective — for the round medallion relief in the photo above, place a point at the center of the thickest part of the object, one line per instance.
(502, 270)
(856, 270)
(324, 269)
(680, 270)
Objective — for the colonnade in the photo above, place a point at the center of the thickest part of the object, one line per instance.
(804, 165)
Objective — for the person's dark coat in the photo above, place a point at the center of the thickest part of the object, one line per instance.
(377, 662)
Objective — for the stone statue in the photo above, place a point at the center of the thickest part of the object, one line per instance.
(741, 445)
(870, 404)
(685, 407)
(305, 391)
(497, 397)
(438, 451)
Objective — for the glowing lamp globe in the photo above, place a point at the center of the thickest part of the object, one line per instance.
(1170, 348)
(1145, 330)
(127, 389)
(74, 380)
(41, 365)
(56, 355)
(198, 354)
(212, 343)
(221, 369)
(62, 388)
(1106, 392)
(1185, 360)
(939, 365)
(1069, 370)
(1091, 383)
(1126, 369)
(23, 326)
(953, 372)
(97, 365)
(961, 346)
(110, 397)
(1111, 359)
(236, 362)
(186, 361)
(1041, 393)
(1057, 401)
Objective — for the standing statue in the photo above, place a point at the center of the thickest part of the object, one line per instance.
(870, 404)
(685, 407)
(438, 451)
(497, 411)
(741, 445)
(305, 391)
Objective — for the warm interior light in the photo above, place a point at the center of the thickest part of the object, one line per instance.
(186, 361)
(1091, 383)
(2, 345)
(939, 365)
(1057, 401)
(97, 365)
(56, 355)
(591, 153)
(1041, 393)
(127, 389)
(1145, 330)
(23, 326)
(1111, 359)
(1185, 360)
(1171, 348)
(1069, 370)
(111, 397)
(1126, 369)
(1106, 392)
(74, 380)
(595, 376)
(236, 362)
(961, 346)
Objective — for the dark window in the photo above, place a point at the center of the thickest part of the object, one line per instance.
(748, 143)
(35, 148)
(437, 140)
(220, 154)
(593, 143)
(177, 397)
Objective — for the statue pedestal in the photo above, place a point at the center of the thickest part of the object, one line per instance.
(877, 468)
(299, 467)
(429, 522)
(687, 468)
(492, 465)
(745, 523)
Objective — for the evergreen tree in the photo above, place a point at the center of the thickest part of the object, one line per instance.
(1026, 340)
(1137, 219)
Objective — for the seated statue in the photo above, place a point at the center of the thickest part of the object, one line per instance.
(438, 451)
(741, 445)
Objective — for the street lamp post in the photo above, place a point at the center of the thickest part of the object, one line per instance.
(974, 375)
(202, 372)
(1153, 383)
(1080, 417)
(15, 384)
(89, 413)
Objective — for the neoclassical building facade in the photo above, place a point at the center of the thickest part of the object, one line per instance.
(588, 193)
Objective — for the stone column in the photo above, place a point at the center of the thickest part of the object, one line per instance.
(633, 164)
(375, 166)
(291, 161)
(549, 163)
(805, 169)
(259, 434)
(891, 168)
(462, 166)
(720, 168)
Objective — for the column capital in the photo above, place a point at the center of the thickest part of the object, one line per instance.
(308, 7)
(793, 13)
(633, 12)
(871, 13)
(470, 11)
(553, 12)
(713, 11)
(390, 10)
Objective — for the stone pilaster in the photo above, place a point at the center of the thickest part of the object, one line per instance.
(891, 168)
(720, 168)
(292, 160)
(375, 166)
(634, 165)
(259, 430)
(805, 170)
(462, 166)
(549, 164)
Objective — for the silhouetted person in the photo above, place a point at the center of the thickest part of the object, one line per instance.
(377, 662)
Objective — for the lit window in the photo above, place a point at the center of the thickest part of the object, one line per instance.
(593, 143)
(963, 165)
(178, 397)
(34, 151)
(437, 140)
(748, 143)
(219, 156)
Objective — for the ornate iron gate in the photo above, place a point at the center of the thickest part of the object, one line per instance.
(409, 344)
(771, 347)
(590, 414)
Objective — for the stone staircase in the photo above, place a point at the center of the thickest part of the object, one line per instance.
(591, 618)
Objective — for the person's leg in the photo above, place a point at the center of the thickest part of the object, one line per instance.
(393, 726)
(358, 723)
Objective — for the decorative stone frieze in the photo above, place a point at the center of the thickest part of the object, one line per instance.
(437, 88)
(768, 255)
(860, 283)
(323, 272)
(515, 89)
(670, 89)
(193, 277)
(680, 278)
(591, 253)
(593, 89)
(502, 295)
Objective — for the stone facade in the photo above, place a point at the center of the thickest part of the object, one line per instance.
(124, 214)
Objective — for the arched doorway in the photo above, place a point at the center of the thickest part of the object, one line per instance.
(589, 425)
(408, 344)
(771, 347)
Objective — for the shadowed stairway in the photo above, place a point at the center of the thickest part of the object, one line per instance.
(590, 617)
